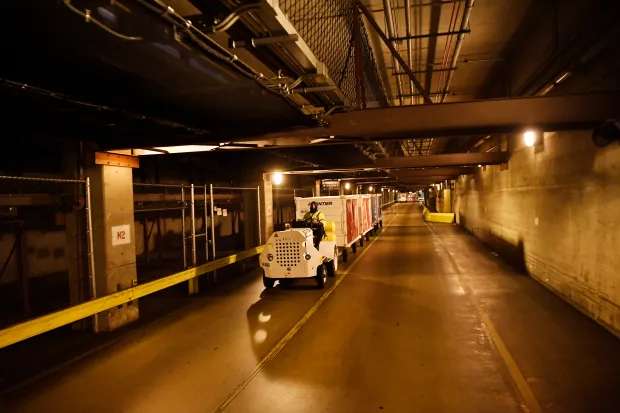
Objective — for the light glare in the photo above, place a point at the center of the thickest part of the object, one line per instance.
(529, 138)
(277, 178)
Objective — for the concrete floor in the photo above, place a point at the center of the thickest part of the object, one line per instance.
(401, 333)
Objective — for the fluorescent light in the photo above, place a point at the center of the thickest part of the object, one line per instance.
(144, 152)
(562, 78)
(318, 140)
(186, 148)
(547, 90)
(529, 138)
(277, 178)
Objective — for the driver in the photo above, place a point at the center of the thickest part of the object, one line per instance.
(314, 214)
(314, 217)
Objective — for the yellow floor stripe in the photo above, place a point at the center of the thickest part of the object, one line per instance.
(526, 392)
(274, 351)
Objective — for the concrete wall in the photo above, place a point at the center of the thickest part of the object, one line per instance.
(556, 212)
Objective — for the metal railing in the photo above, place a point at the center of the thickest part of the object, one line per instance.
(182, 226)
(28, 329)
(46, 231)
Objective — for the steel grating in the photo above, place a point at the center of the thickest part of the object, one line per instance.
(327, 28)
(416, 147)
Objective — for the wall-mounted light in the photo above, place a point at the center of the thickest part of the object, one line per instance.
(370, 188)
(277, 178)
(347, 186)
(529, 138)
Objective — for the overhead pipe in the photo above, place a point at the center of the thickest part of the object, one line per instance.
(428, 35)
(421, 72)
(262, 41)
(409, 37)
(459, 43)
(312, 89)
(389, 22)
(395, 53)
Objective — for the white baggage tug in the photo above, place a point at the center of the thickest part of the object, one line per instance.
(291, 254)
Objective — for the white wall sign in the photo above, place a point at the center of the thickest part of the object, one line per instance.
(121, 235)
(219, 211)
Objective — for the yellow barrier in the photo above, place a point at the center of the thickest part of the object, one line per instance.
(69, 315)
(445, 217)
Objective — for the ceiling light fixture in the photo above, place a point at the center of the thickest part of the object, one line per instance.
(277, 178)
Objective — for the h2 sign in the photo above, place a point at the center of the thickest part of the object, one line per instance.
(121, 235)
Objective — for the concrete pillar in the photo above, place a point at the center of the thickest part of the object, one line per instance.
(113, 233)
(447, 200)
(317, 187)
(266, 208)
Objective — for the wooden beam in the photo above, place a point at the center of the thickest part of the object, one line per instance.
(113, 159)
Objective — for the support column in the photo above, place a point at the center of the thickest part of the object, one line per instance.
(447, 200)
(113, 233)
(317, 187)
(266, 195)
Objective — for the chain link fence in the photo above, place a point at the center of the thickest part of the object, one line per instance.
(182, 226)
(44, 246)
(327, 27)
(161, 229)
(236, 224)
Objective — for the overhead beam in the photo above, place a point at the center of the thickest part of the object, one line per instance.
(451, 172)
(447, 172)
(546, 113)
(411, 162)
(424, 180)
(452, 159)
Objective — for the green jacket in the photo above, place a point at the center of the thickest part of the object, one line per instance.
(318, 216)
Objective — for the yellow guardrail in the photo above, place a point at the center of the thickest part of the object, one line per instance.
(70, 315)
(445, 217)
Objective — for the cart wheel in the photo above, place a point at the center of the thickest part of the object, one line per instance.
(321, 276)
(353, 248)
(345, 255)
(381, 223)
(268, 282)
(331, 268)
(362, 241)
(368, 236)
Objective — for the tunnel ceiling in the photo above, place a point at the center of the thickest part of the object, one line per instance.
(82, 82)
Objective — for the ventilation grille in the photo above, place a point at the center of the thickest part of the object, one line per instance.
(287, 253)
